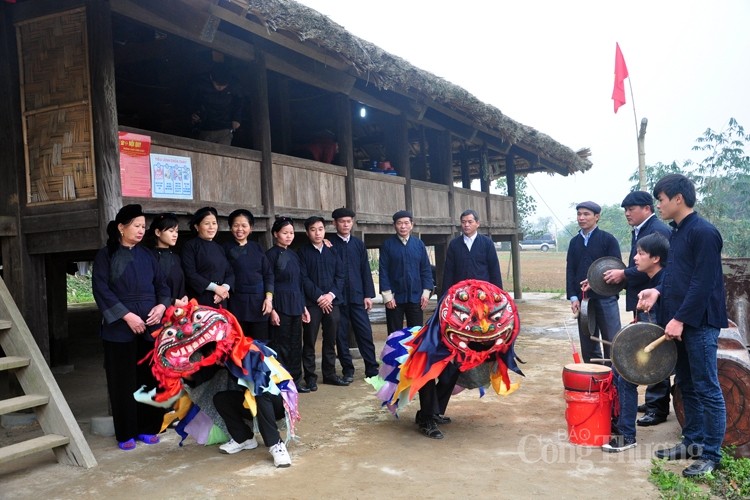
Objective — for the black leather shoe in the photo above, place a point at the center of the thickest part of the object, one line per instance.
(303, 388)
(650, 418)
(313, 386)
(335, 381)
(442, 419)
(642, 408)
(348, 378)
(700, 468)
(430, 430)
(679, 452)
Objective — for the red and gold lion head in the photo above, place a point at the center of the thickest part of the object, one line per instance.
(192, 337)
(478, 316)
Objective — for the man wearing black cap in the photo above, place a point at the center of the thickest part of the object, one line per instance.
(357, 296)
(589, 244)
(639, 212)
(405, 275)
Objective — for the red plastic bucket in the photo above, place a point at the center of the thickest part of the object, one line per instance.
(589, 411)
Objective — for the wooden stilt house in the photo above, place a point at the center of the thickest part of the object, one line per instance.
(75, 74)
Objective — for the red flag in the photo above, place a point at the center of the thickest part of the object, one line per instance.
(621, 73)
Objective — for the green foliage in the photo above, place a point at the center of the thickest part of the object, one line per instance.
(722, 182)
(79, 289)
(526, 203)
(731, 481)
(674, 487)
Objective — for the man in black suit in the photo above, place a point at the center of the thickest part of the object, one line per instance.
(471, 255)
(357, 296)
(323, 282)
(639, 211)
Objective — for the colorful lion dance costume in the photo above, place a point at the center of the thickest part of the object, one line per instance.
(475, 326)
(196, 336)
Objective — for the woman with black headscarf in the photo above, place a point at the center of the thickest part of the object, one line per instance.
(132, 295)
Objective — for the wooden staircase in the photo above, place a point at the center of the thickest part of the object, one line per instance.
(41, 392)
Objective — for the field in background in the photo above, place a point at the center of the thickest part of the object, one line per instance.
(540, 271)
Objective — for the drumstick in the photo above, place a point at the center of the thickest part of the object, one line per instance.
(576, 356)
(653, 345)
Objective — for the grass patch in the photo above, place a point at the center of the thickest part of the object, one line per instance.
(79, 289)
(731, 481)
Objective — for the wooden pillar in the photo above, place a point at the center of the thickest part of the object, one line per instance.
(262, 140)
(398, 139)
(285, 116)
(444, 166)
(510, 178)
(104, 112)
(57, 302)
(465, 174)
(343, 112)
(22, 273)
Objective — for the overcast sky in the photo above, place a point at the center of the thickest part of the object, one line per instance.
(549, 64)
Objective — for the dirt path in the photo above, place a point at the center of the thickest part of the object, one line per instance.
(495, 447)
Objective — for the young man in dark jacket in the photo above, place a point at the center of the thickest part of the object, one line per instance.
(323, 283)
(358, 293)
(590, 244)
(693, 310)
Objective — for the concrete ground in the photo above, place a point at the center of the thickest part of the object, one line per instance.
(496, 447)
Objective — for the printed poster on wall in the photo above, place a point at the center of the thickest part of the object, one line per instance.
(171, 177)
(135, 173)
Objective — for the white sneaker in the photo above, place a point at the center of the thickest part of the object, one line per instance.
(281, 457)
(233, 446)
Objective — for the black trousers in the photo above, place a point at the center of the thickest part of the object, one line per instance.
(394, 318)
(286, 340)
(330, 323)
(229, 404)
(258, 330)
(657, 398)
(124, 377)
(435, 395)
(356, 315)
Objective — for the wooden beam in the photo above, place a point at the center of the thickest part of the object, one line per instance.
(372, 101)
(343, 110)
(262, 140)
(104, 113)
(8, 226)
(313, 74)
(515, 249)
(265, 32)
(535, 158)
(221, 42)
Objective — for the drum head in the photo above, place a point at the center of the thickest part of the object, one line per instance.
(636, 365)
(595, 275)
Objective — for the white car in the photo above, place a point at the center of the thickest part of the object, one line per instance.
(543, 245)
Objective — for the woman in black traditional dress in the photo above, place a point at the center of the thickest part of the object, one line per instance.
(132, 295)
(289, 309)
(208, 275)
(164, 230)
(252, 298)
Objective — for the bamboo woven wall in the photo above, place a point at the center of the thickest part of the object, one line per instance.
(55, 102)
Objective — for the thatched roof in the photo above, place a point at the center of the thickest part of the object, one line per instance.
(389, 72)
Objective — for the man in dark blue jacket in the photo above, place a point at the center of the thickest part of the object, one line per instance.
(405, 275)
(693, 310)
(471, 255)
(589, 244)
(323, 283)
(358, 293)
(639, 212)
